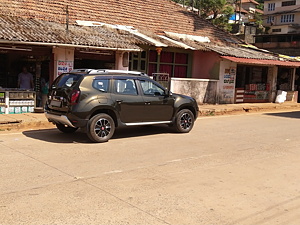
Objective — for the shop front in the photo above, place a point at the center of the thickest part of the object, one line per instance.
(287, 81)
(244, 80)
(252, 84)
(20, 63)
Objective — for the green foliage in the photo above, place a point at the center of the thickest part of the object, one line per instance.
(217, 11)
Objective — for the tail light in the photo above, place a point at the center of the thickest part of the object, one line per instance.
(74, 97)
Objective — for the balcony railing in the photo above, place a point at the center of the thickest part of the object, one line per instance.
(270, 45)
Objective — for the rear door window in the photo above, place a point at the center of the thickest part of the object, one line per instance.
(101, 85)
(67, 80)
(125, 87)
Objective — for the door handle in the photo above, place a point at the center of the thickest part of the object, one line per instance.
(119, 101)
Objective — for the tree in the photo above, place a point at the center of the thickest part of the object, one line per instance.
(217, 11)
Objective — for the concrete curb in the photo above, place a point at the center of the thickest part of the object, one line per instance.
(244, 108)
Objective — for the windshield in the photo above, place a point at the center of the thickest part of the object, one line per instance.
(67, 80)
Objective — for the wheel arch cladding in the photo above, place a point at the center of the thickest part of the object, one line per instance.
(109, 112)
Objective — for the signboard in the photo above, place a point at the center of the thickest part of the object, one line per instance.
(64, 67)
(227, 87)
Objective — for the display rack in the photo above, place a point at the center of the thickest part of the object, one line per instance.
(253, 93)
(15, 102)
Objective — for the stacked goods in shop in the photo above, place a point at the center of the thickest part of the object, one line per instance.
(258, 87)
(261, 87)
(253, 87)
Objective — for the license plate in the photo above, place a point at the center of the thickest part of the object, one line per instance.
(55, 103)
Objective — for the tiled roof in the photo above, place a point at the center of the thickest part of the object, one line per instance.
(154, 15)
(32, 30)
(259, 11)
(243, 52)
(44, 21)
(237, 9)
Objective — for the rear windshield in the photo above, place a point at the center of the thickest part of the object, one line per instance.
(67, 80)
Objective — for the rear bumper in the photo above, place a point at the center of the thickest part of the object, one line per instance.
(61, 119)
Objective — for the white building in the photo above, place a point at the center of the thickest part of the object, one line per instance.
(281, 16)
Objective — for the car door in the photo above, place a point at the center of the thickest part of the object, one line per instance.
(159, 105)
(128, 101)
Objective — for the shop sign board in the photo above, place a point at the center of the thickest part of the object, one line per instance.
(228, 85)
(64, 67)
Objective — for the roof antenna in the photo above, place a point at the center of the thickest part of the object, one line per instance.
(67, 19)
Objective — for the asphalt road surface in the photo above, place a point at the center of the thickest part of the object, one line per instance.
(240, 169)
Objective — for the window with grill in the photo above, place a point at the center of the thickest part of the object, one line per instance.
(287, 3)
(287, 18)
(276, 30)
(271, 6)
(270, 19)
(173, 63)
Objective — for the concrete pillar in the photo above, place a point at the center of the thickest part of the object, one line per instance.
(63, 60)
(272, 81)
(227, 79)
(293, 79)
(122, 60)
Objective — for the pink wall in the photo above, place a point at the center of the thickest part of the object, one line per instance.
(206, 65)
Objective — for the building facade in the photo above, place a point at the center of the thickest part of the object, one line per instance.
(157, 36)
(282, 24)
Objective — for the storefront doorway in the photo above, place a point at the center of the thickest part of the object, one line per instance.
(13, 59)
(284, 79)
(35, 59)
(251, 84)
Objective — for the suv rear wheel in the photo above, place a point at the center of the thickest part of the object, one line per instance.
(184, 121)
(101, 128)
(66, 129)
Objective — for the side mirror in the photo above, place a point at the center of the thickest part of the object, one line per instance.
(168, 93)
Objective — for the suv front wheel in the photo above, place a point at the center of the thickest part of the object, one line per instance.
(101, 128)
(184, 121)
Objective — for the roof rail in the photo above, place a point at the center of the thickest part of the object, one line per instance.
(106, 71)
(81, 71)
(117, 71)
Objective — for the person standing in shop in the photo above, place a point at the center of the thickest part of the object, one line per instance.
(44, 90)
(25, 79)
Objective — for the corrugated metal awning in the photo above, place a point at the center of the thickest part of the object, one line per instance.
(262, 61)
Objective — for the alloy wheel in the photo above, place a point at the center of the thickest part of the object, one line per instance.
(102, 128)
(186, 121)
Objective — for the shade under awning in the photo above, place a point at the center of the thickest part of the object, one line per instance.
(262, 61)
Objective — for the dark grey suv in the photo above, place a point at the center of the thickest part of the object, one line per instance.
(98, 101)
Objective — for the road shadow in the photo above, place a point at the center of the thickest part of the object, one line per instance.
(55, 136)
(293, 115)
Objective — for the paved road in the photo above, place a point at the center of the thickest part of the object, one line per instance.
(241, 169)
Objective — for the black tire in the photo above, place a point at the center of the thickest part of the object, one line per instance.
(101, 128)
(66, 129)
(184, 121)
